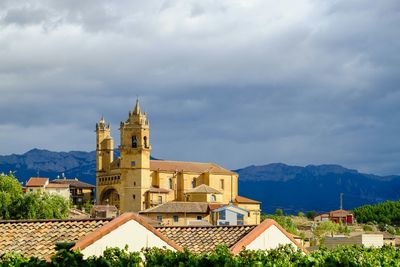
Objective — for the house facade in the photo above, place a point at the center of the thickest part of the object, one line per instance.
(337, 216)
(43, 185)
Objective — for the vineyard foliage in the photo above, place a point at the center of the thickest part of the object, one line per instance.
(221, 256)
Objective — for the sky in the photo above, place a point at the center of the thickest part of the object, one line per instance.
(236, 82)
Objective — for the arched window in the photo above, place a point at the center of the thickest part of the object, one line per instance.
(134, 142)
(170, 183)
(145, 142)
(213, 198)
(194, 183)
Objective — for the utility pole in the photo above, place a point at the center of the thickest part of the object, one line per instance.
(341, 201)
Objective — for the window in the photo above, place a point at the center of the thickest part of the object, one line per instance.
(176, 218)
(145, 142)
(133, 164)
(199, 217)
(134, 142)
(159, 199)
(159, 218)
(222, 215)
(170, 183)
(194, 183)
(222, 184)
(134, 196)
(240, 219)
(213, 198)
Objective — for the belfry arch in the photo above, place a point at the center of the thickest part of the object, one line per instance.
(110, 196)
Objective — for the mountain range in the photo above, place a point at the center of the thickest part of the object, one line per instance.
(276, 185)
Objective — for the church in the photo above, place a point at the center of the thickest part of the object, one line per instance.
(162, 189)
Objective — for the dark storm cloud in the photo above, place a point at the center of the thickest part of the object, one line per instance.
(237, 82)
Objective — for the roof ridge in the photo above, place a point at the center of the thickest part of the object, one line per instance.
(117, 222)
(54, 220)
(207, 226)
(180, 161)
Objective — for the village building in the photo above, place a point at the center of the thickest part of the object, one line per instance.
(73, 190)
(337, 216)
(367, 240)
(80, 192)
(38, 238)
(135, 183)
(43, 185)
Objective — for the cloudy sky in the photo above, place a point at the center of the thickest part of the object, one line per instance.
(236, 82)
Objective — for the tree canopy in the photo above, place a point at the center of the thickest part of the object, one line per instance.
(383, 213)
(15, 204)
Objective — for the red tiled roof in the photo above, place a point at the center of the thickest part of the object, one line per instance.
(55, 185)
(336, 213)
(37, 182)
(73, 183)
(256, 232)
(213, 206)
(178, 207)
(203, 189)
(178, 166)
(200, 239)
(117, 222)
(245, 200)
(38, 237)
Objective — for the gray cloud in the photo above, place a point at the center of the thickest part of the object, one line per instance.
(235, 82)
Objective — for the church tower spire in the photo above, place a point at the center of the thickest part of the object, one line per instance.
(136, 110)
(135, 151)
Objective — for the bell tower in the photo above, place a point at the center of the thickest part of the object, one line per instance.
(104, 147)
(135, 160)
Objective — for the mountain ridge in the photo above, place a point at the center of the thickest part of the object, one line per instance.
(276, 185)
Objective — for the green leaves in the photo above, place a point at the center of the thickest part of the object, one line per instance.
(14, 204)
(221, 256)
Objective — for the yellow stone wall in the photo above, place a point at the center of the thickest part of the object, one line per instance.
(254, 213)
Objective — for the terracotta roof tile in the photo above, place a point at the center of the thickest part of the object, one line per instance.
(200, 239)
(37, 182)
(55, 185)
(178, 207)
(178, 166)
(73, 183)
(245, 200)
(204, 189)
(38, 237)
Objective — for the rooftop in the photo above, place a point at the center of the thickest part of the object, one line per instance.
(37, 182)
(203, 189)
(178, 207)
(73, 183)
(38, 237)
(205, 238)
(245, 200)
(182, 166)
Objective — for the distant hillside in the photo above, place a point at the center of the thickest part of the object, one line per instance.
(295, 188)
(277, 185)
(51, 164)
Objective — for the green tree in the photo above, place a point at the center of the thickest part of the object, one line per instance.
(14, 204)
(279, 212)
(326, 228)
(311, 214)
(10, 196)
